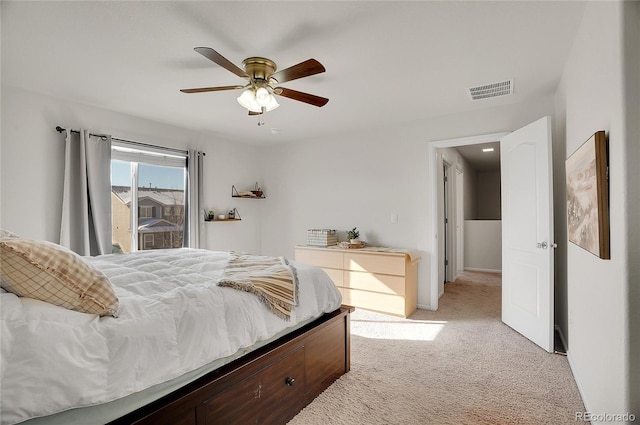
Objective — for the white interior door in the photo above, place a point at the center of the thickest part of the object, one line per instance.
(527, 229)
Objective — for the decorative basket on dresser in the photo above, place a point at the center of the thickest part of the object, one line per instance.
(374, 278)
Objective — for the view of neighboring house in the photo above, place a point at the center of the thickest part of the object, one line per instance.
(160, 218)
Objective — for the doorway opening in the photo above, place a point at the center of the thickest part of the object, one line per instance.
(475, 227)
(449, 247)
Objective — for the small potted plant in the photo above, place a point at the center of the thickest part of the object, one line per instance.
(353, 235)
(211, 215)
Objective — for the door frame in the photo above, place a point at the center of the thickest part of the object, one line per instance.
(435, 165)
(459, 255)
(448, 212)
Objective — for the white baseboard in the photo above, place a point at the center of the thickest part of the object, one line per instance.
(575, 378)
(474, 269)
(573, 370)
(424, 307)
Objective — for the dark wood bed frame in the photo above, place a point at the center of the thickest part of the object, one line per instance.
(269, 385)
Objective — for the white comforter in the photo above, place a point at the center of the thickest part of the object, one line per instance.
(173, 319)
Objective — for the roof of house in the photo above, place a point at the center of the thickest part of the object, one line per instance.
(153, 225)
(166, 197)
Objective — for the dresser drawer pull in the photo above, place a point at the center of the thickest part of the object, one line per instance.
(290, 381)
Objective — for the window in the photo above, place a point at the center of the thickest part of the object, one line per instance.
(148, 187)
(148, 241)
(145, 211)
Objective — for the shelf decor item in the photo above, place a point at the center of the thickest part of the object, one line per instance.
(256, 193)
(588, 197)
(322, 237)
(353, 235)
(352, 245)
(232, 215)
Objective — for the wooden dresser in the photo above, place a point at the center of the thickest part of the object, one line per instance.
(383, 281)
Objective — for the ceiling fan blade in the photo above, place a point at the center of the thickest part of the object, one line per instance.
(311, 99)
(216, 57)
(206, 89)
(303, 69)
(251, 113)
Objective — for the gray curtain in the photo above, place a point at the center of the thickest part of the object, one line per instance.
(194, 215)
(86, 202)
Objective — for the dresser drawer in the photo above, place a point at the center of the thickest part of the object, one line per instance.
(261, 397)
(373, 279)
(385, 264)
(384, 303)
(336, 275)
(320, 258)
(384, 283)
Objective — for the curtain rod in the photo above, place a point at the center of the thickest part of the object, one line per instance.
(60, 130)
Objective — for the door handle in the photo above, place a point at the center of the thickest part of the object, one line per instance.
(545, 245)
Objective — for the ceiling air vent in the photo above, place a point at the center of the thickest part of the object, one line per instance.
(491, 90)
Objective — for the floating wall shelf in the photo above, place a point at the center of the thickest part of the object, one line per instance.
(236, 217)
(257, 193)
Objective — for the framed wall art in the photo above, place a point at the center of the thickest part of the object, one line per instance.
(588, 196)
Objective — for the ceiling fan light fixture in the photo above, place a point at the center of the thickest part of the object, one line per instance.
(248, 100)
(254, 100)
(273, 103)
(258, 94)
(263, 96)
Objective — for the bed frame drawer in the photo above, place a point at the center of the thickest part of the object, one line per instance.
(256, 387)
(265, 397)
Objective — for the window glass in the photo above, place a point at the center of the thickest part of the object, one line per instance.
(120, 205)
(149, 194)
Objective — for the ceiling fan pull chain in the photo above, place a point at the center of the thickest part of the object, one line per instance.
(261, 116)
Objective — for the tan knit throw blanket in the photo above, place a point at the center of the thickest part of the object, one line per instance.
(272, 279)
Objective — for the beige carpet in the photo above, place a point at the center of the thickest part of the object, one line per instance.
(459, 365)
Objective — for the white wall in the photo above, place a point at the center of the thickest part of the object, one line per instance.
(360, 179)
(470, 196)
(483, 245)
(631, 26)
(32, 166)
(488, 205)
(591, 97)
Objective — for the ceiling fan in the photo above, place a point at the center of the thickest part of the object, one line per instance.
(258, 94)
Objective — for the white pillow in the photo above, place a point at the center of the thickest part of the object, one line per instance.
(5, 234)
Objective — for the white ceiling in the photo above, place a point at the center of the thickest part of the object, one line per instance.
(387, 62)
(480, 160)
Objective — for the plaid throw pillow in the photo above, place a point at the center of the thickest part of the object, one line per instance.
(51, 273)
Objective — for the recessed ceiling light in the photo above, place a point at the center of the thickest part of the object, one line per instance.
(487, 150)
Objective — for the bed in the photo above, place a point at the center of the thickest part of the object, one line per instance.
(182, 349)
